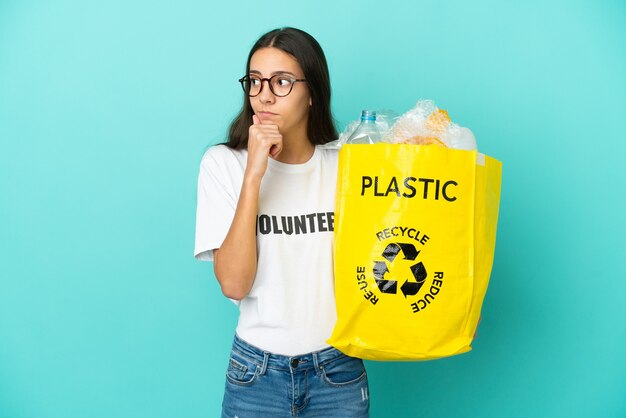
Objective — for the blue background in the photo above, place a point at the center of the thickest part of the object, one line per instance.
(107, 107)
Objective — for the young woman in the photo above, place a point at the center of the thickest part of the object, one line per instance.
(265, 217)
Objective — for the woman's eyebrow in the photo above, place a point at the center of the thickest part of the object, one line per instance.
(274, 73)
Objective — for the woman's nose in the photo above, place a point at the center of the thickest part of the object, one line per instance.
(266, 94)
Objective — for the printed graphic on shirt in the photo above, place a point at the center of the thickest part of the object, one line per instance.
(309, 223)
(400, 268)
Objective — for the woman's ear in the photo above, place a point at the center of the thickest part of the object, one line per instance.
(310, 101)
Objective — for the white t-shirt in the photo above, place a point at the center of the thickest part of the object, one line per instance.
(290, 309)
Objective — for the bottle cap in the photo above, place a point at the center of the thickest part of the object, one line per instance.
(368, 115)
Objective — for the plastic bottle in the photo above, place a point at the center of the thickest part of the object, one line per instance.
(367, 132)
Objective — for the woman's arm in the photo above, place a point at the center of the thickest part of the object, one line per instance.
(235, 261)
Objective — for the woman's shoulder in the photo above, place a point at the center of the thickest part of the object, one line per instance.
(221, 152)
(327, 150)
(328, 154)
(223, 161)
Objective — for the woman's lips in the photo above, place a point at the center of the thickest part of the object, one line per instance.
(266, 114)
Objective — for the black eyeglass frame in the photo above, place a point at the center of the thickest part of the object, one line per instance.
(245, 78)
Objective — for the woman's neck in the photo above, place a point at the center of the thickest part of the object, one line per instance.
(296, 153)
(297, 149)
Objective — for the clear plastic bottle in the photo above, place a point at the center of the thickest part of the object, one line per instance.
(367, 132)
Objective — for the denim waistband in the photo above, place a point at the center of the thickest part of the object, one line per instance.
(301, 362)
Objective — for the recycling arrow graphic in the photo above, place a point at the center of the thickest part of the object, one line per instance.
(385, 286)
(418, 271)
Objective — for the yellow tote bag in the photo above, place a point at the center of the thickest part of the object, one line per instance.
(415, 231)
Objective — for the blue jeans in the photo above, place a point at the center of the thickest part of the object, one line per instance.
(325, 383)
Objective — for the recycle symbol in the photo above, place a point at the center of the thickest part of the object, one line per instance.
(418, 271)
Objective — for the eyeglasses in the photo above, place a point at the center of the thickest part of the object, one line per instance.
(280, 85)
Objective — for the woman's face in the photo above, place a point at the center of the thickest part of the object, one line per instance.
(290, 113)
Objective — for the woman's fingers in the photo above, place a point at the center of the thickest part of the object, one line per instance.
(275, 150)
(264, 136)
(263, 141)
